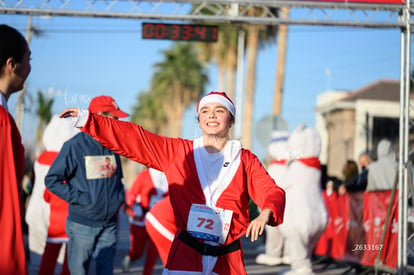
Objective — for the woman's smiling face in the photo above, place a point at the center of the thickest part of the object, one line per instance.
(215, 119)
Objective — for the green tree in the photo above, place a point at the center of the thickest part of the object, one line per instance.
(149, 112)
(179, 80)
(257, 37)
(44, 115)
(223, 53)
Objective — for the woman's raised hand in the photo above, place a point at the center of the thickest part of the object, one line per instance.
(69, 112)
(257, 226)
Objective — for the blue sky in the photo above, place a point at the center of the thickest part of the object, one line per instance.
(79, 58)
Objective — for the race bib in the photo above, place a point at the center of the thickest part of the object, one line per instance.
(210, 224)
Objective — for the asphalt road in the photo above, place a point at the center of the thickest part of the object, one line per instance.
(250, 251)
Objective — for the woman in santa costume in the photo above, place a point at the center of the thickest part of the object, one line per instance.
(211, 180)
(149, 187)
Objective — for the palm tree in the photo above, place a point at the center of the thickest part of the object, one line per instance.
(223, 52)
(44, 114)
(257, 35)
(230, 35)
(212, 53)
(31, 30)
(280, 68)
(179, 80)
(149, 112)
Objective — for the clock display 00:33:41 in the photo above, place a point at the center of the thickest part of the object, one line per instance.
(185, 32)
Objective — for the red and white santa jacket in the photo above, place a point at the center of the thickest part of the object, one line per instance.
(176, 158)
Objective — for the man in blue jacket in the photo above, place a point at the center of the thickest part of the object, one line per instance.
(80, 176)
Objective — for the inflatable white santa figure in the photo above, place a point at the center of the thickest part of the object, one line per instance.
(306, 216)
(275, 247)
(38, 210)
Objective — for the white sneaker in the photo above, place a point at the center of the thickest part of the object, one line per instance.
(126, 263)
(300, 271)
(293, 272)
(268, 260)
(286, 260)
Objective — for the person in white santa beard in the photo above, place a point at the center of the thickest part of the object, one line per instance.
(306, 216)
(275, 247)
(38, 210)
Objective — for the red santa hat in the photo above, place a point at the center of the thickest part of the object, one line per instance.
(217, 97)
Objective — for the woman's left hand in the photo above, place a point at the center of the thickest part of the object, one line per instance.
(257, 226)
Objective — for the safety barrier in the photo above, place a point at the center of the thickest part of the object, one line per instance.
(355, 231)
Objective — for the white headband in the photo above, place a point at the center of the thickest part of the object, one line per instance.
(217, 98)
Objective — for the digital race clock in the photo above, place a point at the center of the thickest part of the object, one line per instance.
(186, 32)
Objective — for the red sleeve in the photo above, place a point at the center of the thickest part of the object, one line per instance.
(142, 186)
(263, 190)
(132, 141)
(136, 188)
(12, 255)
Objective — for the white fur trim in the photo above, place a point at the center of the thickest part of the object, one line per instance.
(217, 98)
(231, 161)
(81, 119)
(157, 225)
(159, 180)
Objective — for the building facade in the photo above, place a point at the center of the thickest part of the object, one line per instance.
(351, 122)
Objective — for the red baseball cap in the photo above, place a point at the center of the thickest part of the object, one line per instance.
(106, 103)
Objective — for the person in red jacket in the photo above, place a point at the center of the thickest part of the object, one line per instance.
(148, 188)
(56, 236)
(210, 182)
(14, 69)
(161, 228)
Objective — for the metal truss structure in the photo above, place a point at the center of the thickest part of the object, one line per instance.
(220, 11)
(335, 13)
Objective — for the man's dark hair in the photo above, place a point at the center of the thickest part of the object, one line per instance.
(12, 44)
